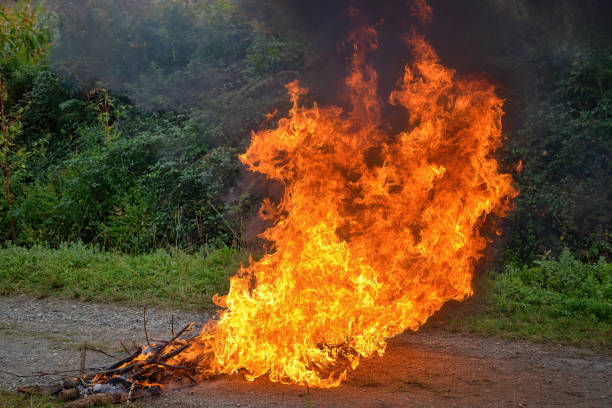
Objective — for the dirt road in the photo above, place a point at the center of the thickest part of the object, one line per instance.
(431, 368)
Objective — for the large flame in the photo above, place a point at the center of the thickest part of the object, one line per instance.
(374, 232)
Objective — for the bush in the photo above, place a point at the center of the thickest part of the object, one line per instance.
(564, 140)
(89, 165)
(559, 300)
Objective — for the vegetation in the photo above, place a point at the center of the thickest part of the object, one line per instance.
(136, 169)
(15, 400)
(565, 141)
(162, 278)
(561, 301)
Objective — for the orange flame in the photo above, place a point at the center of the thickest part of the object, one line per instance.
(375, 231)
(421, 10)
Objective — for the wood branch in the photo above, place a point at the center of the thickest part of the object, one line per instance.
(69, 394)
(127, 359)
(63, 372)
(49, 374)
(175, 367)
(70, 382)
(175, 352)
(103, 352)
(124, 347)
(180, 333)
(40, 389)
(122, 369)
(129, 397)
(144, 320)
(83, 358)
(20, 375)
(102, 399)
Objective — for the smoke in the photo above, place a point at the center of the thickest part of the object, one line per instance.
(183, 54)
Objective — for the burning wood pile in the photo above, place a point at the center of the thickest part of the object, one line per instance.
(142, 373)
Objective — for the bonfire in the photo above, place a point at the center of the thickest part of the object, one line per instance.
(374, 232)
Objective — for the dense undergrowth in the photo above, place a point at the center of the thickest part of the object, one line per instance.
(153, 163)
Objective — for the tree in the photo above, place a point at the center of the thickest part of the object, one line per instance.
(24, 39)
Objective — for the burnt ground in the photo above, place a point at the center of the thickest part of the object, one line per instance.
(432, 368)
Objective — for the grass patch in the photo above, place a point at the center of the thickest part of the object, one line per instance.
(14, 400)
(561, 301)
(76, 271)
(10, 399)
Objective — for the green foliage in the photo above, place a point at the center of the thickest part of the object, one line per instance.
(89, 166)
(25, 33)
(158, 188)
(556, 300)
(266, 54)
(565, 142)
(163, 278)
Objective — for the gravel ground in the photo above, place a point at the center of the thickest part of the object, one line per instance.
(47, 334)
(431, 368)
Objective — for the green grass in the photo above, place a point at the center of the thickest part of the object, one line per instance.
(561, 301)
(10, 399)
(162, 278)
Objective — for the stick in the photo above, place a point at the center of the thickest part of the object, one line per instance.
(225, 221)
(176, 367)
(127, 359)
(40, 389)
(179, 334)
(100, 399)
(144, 318)
(20, 375)
(104, 352)
(83, 358)
(172, 326)
(123, 345)
(63, 372)
(129, 397)
(175, 352)
(45, 374)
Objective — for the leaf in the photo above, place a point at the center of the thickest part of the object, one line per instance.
(67, 104)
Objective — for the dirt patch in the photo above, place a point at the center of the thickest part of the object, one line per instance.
(432, 368)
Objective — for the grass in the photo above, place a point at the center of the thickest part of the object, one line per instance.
(173, 279)
(10, 399)
(562, 301)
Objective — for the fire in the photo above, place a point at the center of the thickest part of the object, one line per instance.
(375, 231)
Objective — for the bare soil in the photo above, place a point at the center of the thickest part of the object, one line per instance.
(431, 368)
